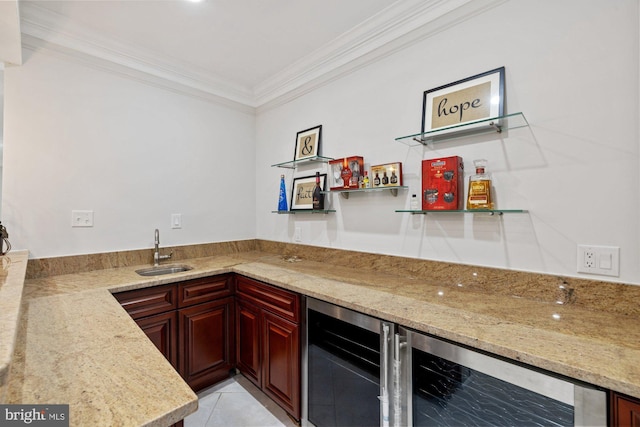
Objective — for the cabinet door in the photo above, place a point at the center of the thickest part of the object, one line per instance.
(281, 362)
(206, 342)
(162, 330)
(625, 411)
(248, 341)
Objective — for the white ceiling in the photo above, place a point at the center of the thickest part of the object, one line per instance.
(243, 42)
(246, 51)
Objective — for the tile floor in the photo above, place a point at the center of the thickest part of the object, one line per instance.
(236, 402)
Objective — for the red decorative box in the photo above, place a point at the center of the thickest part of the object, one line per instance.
(350, 169)
(443, 184)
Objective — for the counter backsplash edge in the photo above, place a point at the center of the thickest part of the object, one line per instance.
(591, 294)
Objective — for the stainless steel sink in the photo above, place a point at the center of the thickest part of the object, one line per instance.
(163, 269)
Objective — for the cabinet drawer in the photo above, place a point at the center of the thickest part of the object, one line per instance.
(276, 300)
(145, 302)
(204, 289)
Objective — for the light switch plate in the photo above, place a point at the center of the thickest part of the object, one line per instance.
(176, 220)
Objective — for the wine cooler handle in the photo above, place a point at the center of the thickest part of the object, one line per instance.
(384, 398)
(399, 381)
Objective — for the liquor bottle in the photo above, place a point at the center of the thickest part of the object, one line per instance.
(394, 177)
(479, 196)
(367, 184)
(346, 174)
(385, 178)
(376, 180)
(318, 197)
(282, 200)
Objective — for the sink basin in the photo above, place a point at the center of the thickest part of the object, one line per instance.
(163, 269)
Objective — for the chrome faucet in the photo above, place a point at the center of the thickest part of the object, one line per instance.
(156, 253)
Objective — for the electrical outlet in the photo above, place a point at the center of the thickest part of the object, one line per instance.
(603, 260)
(589, 260)
(81, 218)
(297, 235)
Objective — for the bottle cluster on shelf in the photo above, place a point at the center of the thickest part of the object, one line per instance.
(443, 184)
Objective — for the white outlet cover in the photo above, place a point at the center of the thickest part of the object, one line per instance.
(81, 218)
(605, 262)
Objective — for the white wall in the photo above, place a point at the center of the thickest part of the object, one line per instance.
(80, 138)
(571, 68)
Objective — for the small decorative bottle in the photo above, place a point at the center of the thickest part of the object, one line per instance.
(366, 182)
(282, 200)
(394, 177)
(414, 206)
(479, 196)
(376, 180)
(385, 178)
(318, 197)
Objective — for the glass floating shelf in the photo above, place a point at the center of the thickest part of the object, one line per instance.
(493, 124)
(345, 193)
(490, 212)
(304, 211)
(293, 163)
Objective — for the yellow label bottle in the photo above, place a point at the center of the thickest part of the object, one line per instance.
(479, 196)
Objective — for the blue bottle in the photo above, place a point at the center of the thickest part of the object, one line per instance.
(282, 201)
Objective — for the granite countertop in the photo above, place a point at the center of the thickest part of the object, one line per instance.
(12, 272)
(77, 345)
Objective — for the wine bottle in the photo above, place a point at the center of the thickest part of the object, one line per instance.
(346, 174)
(318, 197)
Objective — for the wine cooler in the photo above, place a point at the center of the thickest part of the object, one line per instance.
(362, 371)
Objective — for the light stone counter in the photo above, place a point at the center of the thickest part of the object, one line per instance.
(12, 273)
(77, 345)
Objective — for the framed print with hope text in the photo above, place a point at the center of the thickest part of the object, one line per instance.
(465, 101)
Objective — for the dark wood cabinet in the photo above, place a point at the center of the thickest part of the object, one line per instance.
(207, 344)
(205, 327)
(248, 353)
(192, 323)
(281, 362)
(162, 330)
(624, 410)
(268, 340)
(145, 302)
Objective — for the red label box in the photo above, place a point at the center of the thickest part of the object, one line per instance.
(346, 172)
(443, 184)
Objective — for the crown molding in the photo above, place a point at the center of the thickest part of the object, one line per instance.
(41, 23)
(401, 24)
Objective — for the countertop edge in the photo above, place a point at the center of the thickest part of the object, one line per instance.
(11, 290)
